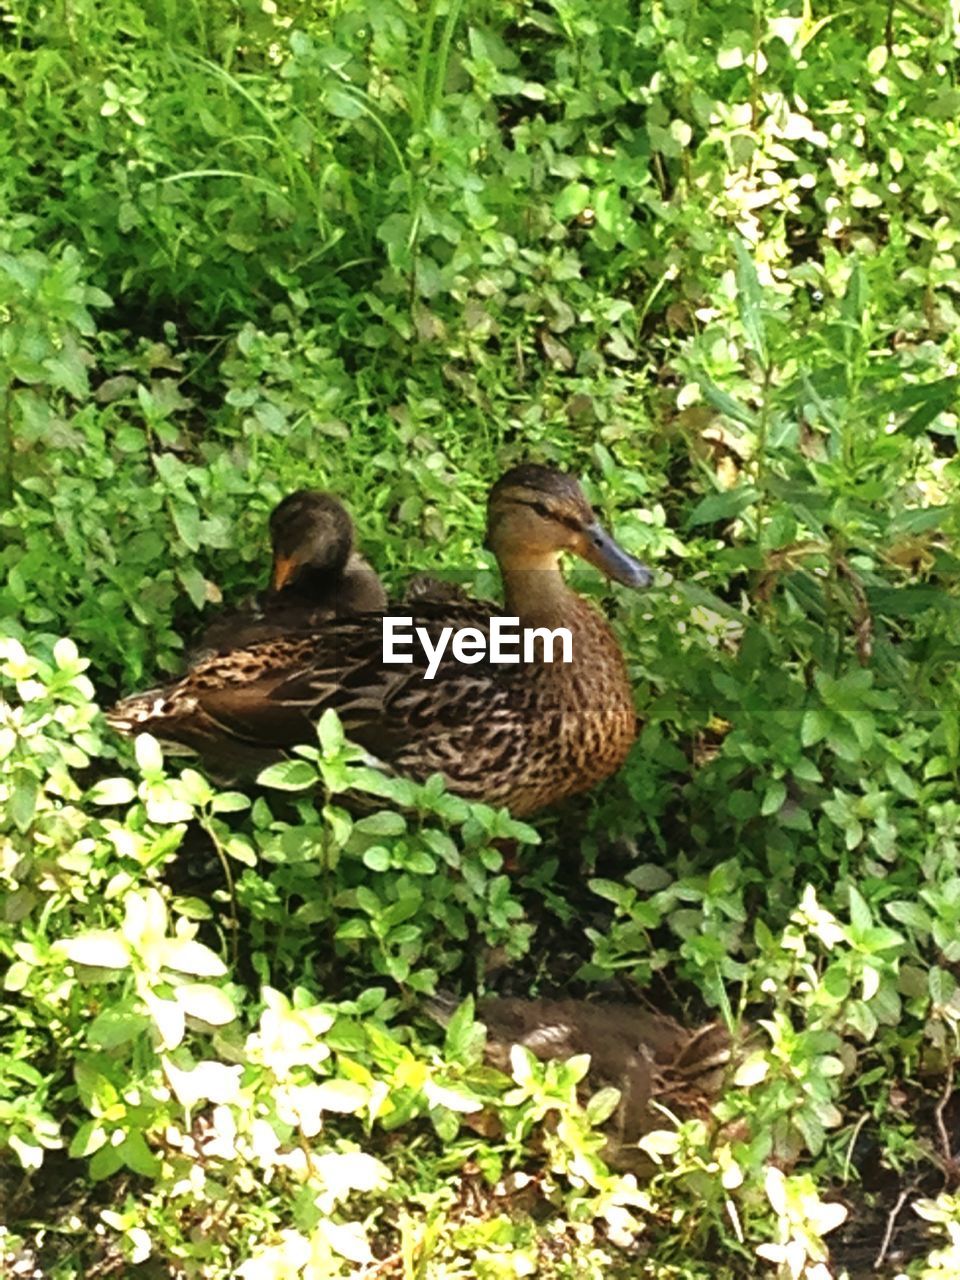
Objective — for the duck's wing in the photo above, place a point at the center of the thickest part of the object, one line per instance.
(271, 694)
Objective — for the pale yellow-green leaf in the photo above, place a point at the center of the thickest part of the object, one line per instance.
(164, 807)
(97, 949)
(453, 1099)
(827, 1217)
(660, 1142)
(348, 1239)
(342, 1095)
(877, 59)
(346, 1171)
(16, 977)
(208, 1004)
(113, 791)
(751, 1071)
(522, 1064)
(730, 57)
(206, 1082)
(184, 955)
(775, 1185)
(65, 653)
(145, 918)
(167, 1017)
(30, 1154)
(149, 756)
(13, 652)
(300, 1105)
(731, 1175)
(870, 981)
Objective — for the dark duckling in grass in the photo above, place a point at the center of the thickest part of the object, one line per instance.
(316, 575)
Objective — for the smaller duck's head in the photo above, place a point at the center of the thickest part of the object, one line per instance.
(536, 512)
(311, 532)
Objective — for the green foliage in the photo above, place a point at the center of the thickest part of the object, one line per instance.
(707, 257)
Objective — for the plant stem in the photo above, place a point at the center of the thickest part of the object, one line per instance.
(6, 448)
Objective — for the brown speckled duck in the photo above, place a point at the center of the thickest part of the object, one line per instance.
(648, 1056)
(316, 575)
(525, 735)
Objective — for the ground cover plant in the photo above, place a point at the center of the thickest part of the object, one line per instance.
(706, 258)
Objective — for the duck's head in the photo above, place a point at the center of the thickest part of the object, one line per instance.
(536, 512)
(311, 532)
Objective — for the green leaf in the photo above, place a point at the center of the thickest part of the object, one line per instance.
(601, 1106)
(750, 304)
(384, 823)
(230, 802)
(573, 199)
(67, 369)
(105, 1163)
(22, 805)
(464, 1037)
(942, 986)
(900, 780)
(854, 305)
(194, 584)
(722, 506)
(288, 775)
(377, 858)
(422, 864)
(860, 917)
(934, 399)
(137, 1156)
(340, 102)
(116, 1026)
(622, 895)
(442, 845)
(726, 404)
(773, 798)
(609, 209)
(186, 519)
(330, 733)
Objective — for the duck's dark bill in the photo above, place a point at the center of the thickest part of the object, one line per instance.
(610, 558)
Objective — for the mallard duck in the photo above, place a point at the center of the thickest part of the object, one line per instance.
(316, 575)
(647, 1055)
(525, 734)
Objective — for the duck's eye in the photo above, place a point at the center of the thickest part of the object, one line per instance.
(541, 510)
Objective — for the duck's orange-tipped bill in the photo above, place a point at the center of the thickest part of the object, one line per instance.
(284, 571)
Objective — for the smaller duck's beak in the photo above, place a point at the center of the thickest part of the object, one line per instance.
(284, 571)
(600, 550)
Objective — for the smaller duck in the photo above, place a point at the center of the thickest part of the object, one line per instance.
(316, 575)
(647, 1056)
